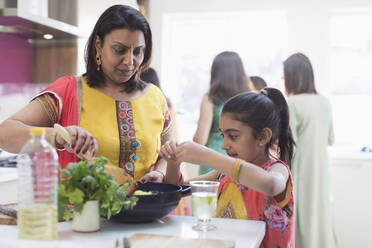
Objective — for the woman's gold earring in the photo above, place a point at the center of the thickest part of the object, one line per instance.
(99, 62)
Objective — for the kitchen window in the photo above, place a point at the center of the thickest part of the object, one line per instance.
(350, 49)
(191, 41)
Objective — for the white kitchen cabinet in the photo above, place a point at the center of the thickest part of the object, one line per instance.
(351, 186)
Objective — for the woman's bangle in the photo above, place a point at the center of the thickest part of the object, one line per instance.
(236, 169)
(161, 174)
(180, 180)
(54, 143)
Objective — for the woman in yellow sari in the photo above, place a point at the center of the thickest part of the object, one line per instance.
(109, 105)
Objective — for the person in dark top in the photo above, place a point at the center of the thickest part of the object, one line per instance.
(256, 83)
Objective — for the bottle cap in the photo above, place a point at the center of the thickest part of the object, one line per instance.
(37, 131)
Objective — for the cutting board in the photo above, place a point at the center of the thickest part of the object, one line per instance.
(8, 220)
(144, 240)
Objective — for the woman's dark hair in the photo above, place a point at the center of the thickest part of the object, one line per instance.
(228, 77)
(267, 109)
(298, 75)
(150, 76)
(117, 17)
(258, 82)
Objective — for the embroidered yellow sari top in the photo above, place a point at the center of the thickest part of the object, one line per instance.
(128, 132)
(231, 203)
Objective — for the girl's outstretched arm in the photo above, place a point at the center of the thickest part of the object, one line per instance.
(173, 174)
(272, 182)
(210, 176)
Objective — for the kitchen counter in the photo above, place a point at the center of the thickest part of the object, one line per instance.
(245, 233)
(8, 185)
(8, 180)
(349, 156)
(8, 174)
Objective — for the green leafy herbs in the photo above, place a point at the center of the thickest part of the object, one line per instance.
(84, 181)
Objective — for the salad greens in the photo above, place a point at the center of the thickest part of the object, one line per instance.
(87, 180)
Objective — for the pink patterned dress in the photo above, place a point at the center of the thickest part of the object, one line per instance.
(239, 202)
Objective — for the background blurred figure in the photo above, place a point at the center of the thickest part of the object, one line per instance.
(311, 123)
(150, 76)
(256, 83)
(228, 78)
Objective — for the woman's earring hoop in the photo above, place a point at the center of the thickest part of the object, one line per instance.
(99, 62)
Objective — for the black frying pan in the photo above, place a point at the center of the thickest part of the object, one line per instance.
(150, 207)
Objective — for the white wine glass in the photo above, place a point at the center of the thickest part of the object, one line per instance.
(204, 203)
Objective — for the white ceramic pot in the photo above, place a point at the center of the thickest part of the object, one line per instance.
(88, 219)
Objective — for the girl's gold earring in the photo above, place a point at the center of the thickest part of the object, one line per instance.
(99, 62)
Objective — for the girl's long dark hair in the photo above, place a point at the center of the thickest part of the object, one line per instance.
(267, 109)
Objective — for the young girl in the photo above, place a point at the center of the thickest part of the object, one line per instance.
(254, 184)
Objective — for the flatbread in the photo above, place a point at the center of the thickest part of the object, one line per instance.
(118, 174)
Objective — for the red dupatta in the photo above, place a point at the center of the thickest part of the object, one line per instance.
(66, 91)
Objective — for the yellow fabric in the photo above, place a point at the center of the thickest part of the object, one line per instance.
(148, 119)
(104, 126)
(231, 203)
(234, 175)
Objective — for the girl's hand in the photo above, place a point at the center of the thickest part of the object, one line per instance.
(190, 152)
(81, 140)
(168, 150)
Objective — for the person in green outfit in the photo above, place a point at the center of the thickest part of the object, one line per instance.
(312, 128)
(228, 78)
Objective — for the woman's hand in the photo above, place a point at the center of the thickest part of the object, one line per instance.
(153, 176)
(81, 140)
(168, 151)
